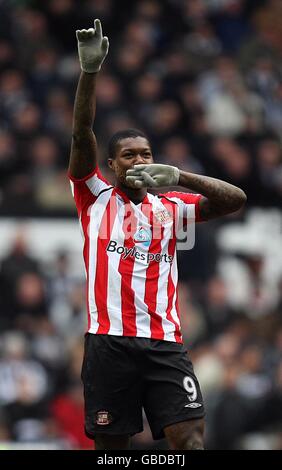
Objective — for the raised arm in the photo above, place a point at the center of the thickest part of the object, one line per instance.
(92, 50)
(219, 198)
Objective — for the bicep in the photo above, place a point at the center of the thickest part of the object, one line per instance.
(83, 155)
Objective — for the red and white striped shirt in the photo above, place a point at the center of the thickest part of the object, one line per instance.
(130, 258)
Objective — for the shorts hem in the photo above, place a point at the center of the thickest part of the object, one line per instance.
(91, 435)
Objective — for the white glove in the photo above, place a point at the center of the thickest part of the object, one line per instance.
(92, 47)
(153, 175)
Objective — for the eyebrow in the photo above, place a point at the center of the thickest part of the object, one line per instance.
(136, 149)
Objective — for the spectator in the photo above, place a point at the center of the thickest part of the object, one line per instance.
(23, 385)
(67, 411)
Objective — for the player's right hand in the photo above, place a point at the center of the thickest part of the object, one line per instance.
(92, 47)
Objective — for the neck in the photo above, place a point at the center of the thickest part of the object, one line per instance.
(132, 194)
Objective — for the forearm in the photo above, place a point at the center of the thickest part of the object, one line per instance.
(85, 104)
(83, 156)
(220, 197)
(92, 50)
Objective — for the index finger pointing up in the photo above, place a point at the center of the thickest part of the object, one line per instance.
(98, 27)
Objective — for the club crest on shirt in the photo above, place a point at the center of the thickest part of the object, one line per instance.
(163, 216)
(143, 235)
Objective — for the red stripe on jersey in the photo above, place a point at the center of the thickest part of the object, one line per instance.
(82, 194)
(125, 269)
(101, 177)
(83, 197)
(101, 276)
(152, 277)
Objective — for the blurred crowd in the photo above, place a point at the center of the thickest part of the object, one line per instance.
(203, 79)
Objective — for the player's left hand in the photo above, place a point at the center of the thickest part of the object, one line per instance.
(153, 175)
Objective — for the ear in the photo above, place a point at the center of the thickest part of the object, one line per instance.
(111, 163)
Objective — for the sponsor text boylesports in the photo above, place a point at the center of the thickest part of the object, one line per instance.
(134, 253)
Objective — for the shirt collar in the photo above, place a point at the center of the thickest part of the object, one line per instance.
(126, 198)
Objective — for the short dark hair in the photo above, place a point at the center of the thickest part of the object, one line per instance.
(120, 135)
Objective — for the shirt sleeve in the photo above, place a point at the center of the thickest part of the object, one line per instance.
(86, 190)
(188, 203)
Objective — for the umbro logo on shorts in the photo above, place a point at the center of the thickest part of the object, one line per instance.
(193, 405)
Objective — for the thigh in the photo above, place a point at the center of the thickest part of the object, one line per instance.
(112, 390)
(186, 435)
(172, 391)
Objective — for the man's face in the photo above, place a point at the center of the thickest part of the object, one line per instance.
(130, 151)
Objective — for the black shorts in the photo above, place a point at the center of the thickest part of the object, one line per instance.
(121, 375)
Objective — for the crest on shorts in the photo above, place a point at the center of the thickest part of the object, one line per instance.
(103, 418)
(163, 216)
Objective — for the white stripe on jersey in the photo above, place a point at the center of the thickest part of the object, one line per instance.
(96, 185)
(162, 298)
(72, 188)
(96, 214)
(114, 277)
(174, 277)
(138, 283)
